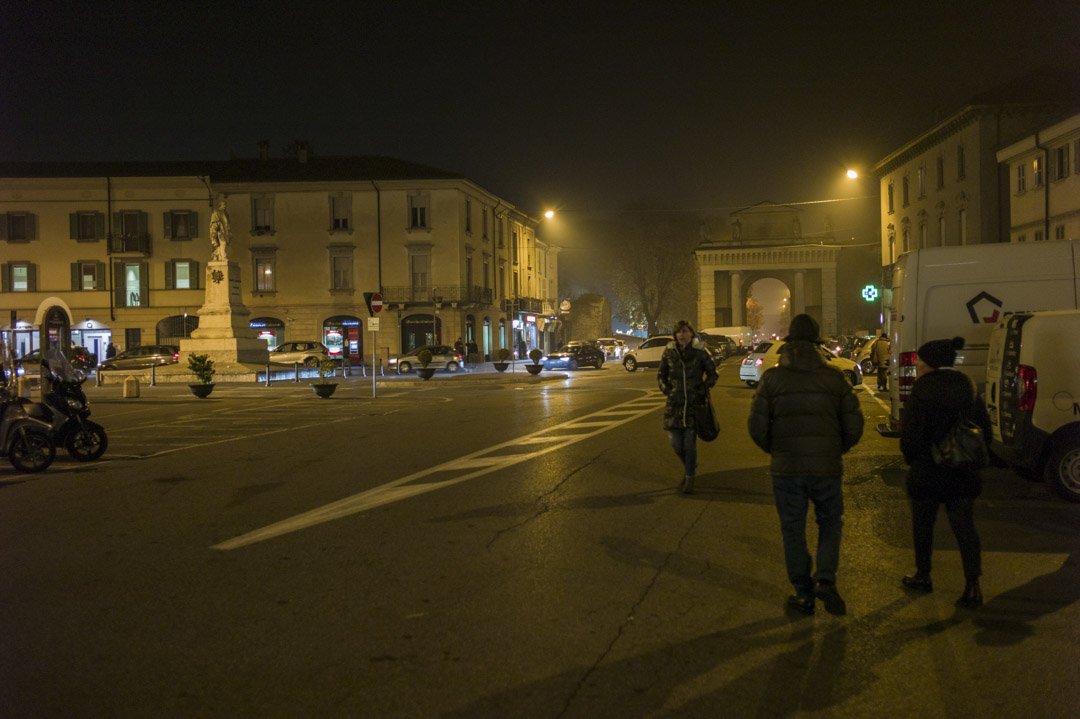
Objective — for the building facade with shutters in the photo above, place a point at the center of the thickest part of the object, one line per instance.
(121, 250)
(1044, 183)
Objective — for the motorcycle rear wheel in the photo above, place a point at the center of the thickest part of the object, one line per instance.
(31, 450)
(87, 442)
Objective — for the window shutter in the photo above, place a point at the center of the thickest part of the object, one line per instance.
(73, 224)
(31, 277)
(167, 217)
(3, 226)
(1050, 166)
(1064, 173)
(144, 232)
(193, 273)
(270, 204)
(5, 277)
(330, 216)
(31, 226)
(99, 276)
(193, 224)
(75, 277)
(144, 284)
(118, 285)
(170, 275)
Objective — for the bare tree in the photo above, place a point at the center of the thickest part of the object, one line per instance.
(655, 279)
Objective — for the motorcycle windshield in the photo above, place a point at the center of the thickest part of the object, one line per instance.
(60, 366)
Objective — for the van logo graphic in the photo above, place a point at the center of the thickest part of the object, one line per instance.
(981, 304)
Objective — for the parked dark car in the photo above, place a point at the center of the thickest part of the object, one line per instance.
(80, 357)
(720, 347)
(143, 357)
(573, 355)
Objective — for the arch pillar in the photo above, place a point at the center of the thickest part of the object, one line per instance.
(798, 294)
(738, 304)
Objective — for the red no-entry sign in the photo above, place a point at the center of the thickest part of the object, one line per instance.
(376, 302)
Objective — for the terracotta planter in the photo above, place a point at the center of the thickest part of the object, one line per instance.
(425, 372)
(324, 389)
(534, 368)
(201, 390)
(500, 366)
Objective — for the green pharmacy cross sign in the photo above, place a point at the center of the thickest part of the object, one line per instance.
(869, 293)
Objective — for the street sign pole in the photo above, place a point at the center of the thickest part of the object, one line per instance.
(374, 305)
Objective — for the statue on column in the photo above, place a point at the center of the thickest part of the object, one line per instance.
(220, 233)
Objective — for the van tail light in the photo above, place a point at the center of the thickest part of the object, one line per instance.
(907, 374)
(1027, 383)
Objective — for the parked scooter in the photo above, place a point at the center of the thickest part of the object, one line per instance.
(25, 441)
(67, 412)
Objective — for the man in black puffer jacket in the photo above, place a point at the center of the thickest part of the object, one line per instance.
(805, 415)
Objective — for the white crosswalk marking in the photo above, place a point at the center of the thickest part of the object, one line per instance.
(482, 462)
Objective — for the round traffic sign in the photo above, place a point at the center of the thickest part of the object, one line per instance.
(376, 302)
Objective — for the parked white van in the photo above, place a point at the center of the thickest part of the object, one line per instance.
(1033, 395)
(944, 292)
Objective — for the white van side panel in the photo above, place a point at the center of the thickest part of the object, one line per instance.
(945, 292)
(1051, 344)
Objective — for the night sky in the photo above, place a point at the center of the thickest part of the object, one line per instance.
(585, 106)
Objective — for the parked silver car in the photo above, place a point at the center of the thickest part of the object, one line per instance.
(306, 353)
(442, 357)
(143, 357)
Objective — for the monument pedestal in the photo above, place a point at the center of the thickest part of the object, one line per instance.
(224, 332)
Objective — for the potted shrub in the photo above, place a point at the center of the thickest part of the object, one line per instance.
(503, 354)
(203, 368)
(425, 372)
(324, 387)
(535, 367)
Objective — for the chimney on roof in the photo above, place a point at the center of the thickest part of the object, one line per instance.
(302, 148)
(264, 149)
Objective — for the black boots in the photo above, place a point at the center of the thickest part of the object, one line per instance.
(972, 596)
(920, 582)
(802, 603)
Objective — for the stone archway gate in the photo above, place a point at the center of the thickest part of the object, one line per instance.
(725, 275)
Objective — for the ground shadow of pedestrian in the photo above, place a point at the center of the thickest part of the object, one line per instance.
(1008, 617)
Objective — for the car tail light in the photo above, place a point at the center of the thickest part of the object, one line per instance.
(1027, 382)
(907, 374)
(758, 362)
(176, 356)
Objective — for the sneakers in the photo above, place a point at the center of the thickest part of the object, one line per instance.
(802, 603)
(920, 582)
(826, 591)
(688, 484)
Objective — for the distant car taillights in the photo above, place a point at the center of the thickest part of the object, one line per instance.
(907, 374)
(1027, 382)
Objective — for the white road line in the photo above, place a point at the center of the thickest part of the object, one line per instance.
(887, 408)
(401, 488)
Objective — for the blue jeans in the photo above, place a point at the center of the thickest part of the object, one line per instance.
(684, 442)
(793, 495)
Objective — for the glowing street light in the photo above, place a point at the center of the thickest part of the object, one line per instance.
(852, 174)
(549, 214)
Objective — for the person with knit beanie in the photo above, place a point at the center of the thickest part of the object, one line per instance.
(941, 397)
(805, 415)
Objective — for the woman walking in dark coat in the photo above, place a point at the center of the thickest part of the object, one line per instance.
(686, 373)
(939, 398)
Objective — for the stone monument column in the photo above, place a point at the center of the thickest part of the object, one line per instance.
(224, 331)
(738, 304)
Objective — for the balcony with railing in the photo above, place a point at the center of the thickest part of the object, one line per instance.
(461, 294)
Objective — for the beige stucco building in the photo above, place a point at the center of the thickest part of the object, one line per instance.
(121, 250)
(1043, 178)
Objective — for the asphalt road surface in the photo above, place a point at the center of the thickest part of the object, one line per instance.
(470, 547)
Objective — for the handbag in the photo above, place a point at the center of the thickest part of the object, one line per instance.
(705, 420)
(963, 447)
